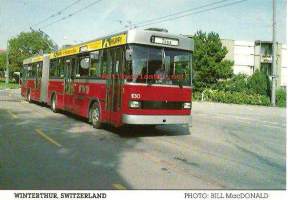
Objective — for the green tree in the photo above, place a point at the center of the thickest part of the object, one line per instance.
(2, 62)
(281, 97)
(208, 64)
(238, 83)
(25, 45)
(259, 83)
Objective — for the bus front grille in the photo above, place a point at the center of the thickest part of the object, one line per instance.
(161, 105)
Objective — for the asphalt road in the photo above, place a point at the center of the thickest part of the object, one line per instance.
(227, 147)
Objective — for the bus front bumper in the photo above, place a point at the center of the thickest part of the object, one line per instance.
(156, 119)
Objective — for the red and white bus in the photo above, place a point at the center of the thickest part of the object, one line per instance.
(135, 77)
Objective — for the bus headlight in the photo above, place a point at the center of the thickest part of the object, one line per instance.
(187, 105)
(134, 104)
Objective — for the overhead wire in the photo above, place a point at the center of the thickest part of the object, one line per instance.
(191, 13)
(59, 12)
(72, 13)
(184, 13)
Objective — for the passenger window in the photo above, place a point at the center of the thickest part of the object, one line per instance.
(39, 70)
(106, 62)
(95, 68)
(52, 68)
(29, 71)
(119, 60)
(53, 73)
(60, 66)
(34, 70)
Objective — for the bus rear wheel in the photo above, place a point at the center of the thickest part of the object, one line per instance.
(53, 104)
(94, 116)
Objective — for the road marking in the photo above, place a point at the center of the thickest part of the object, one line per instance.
(119, 186)
(12, 114)
(41, 133)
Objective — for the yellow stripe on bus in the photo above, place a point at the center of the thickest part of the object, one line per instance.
(89, 46)
(114, 41)
(33, 59)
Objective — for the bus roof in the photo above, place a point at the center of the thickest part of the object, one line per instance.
(135, 36)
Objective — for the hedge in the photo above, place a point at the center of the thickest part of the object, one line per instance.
(10, 85)
(233, 97)
(281, 97)
(258, 83)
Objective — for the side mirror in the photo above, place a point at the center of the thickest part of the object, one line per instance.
(84, 63)
(129, 54)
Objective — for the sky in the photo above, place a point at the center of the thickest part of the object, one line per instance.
(249, 20)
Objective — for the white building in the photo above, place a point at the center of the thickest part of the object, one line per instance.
(284, 65)
(249, 56)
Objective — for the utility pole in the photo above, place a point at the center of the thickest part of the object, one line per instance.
(274, 58)
(7, 66)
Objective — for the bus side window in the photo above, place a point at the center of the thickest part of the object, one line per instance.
(119, 59)
(29, 71)
(95, 68)
(24, 74)
(106, 63)
(53, 69)
(74, 63)
(60, 67)
(39, 70)
(83, 67)
(34, 70)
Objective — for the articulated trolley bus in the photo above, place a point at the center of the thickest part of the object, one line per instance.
(135, 77)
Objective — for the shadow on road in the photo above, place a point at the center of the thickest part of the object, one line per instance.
(86, 159)
(29, 161)
(135, 131)
(129, 131)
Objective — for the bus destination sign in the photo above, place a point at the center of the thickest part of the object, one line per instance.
(164, 41)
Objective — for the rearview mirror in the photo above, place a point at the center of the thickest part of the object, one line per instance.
(84, 63)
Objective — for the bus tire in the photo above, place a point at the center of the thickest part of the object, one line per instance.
(53, 104)
(94, 116)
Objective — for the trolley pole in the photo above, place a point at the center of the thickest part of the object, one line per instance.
(7, 66)
(274, 58)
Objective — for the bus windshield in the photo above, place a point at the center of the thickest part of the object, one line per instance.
(153, 65)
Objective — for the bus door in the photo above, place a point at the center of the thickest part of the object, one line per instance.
(114, 85)
(44, 78)
(38, 80)
(23, 79)
(68, 84)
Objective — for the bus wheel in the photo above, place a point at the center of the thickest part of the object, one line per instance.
(28, 98)
(94, 115)
(53, 104)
